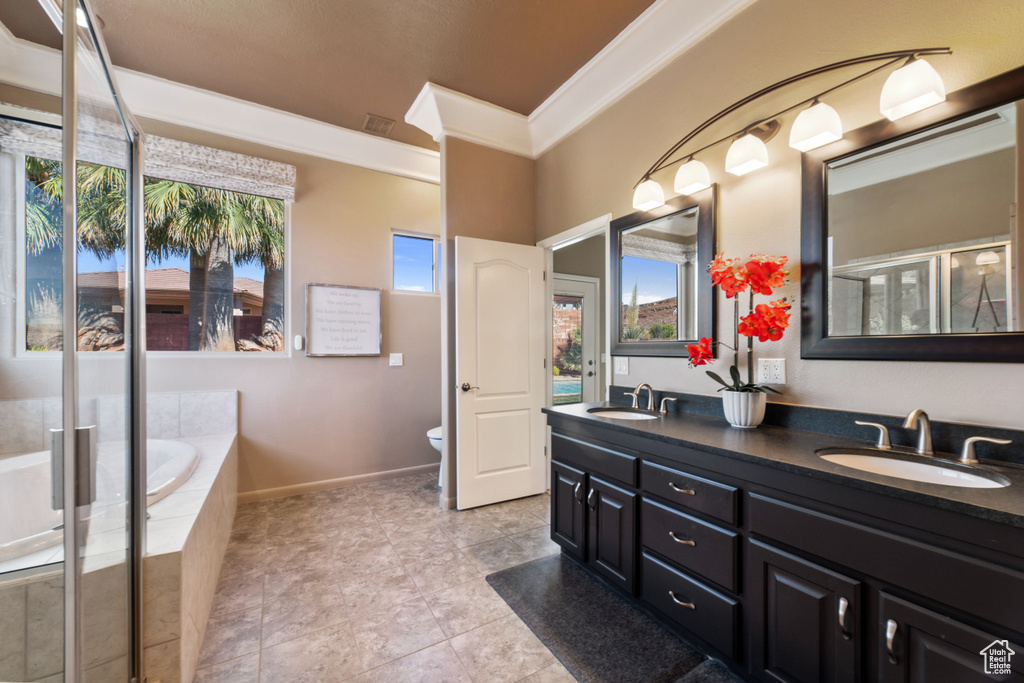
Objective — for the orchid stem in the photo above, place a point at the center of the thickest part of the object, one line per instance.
(750, 347)
(736, 333)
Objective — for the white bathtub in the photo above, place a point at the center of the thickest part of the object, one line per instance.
(31, 532)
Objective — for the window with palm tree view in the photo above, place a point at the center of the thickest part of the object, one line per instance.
(214, 263)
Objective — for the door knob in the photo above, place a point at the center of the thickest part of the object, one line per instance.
(465, 386)
(590, 362)
(590, 373)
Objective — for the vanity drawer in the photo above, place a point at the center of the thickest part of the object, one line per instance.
(689, 603)
(697, 546)
(691, 491)
(594, 458)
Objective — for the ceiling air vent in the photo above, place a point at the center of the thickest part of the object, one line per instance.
(378, 125)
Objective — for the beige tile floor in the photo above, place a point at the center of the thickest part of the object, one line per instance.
(375, 584)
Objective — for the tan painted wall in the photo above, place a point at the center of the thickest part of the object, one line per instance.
(310, 419)
(592, 172)
(488, 194)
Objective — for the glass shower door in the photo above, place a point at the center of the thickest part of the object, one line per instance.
(100, 613)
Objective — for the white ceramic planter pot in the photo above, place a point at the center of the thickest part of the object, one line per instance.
(744, 409)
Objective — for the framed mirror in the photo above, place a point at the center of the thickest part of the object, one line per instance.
(662, 296)
(911, 234)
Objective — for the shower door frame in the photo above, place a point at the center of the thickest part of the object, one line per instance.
(135, 337)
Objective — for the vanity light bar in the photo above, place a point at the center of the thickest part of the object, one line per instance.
(910, 88)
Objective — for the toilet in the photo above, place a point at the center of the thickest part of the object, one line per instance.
(434, 436)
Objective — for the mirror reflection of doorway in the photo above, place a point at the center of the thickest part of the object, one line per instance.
(575, 348)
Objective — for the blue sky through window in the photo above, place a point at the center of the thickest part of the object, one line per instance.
(413, 263)
(655, 280)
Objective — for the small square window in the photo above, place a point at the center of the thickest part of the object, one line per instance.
(415, 263)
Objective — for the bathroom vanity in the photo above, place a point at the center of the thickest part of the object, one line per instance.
(784, 565)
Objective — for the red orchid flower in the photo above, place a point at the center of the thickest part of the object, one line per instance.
(700, 353)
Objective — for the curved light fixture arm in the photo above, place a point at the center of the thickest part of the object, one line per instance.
(889, 58)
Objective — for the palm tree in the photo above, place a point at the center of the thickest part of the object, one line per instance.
(268, 251)
(218, 228)
(43, 285)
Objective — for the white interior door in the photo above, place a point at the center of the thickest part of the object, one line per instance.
(501, 320)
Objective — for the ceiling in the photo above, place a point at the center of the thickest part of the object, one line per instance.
(338, 60)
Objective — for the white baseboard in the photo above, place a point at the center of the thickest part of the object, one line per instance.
(309, 487)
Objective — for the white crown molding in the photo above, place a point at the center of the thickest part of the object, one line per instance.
(442, 112)
(38, 68)
(665, 30)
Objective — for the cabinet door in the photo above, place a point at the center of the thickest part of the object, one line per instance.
(567, 510)
(919, 646)
(611, 537)
(804, 620)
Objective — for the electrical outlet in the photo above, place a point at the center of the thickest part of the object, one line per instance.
(395, 360)
(771, 371)
(621, 365)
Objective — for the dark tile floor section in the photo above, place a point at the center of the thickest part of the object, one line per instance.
(372, 584)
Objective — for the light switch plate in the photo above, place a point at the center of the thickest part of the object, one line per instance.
(621, 365)
(395, 360)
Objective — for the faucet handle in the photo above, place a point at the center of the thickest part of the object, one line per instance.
(969, 457)
(883, 434)
(635, 396)
(664, 400)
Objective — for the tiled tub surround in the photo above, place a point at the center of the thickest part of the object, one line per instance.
(25, 424)
(375, 583)
(187, 535)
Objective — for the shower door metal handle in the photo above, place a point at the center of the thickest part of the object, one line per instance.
(85, 454)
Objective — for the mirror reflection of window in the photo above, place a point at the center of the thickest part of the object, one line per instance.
(922, 230)
(658, 276)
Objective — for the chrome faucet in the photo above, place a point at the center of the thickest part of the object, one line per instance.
(636, 396)
(918, 419)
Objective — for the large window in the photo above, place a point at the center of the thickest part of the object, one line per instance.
(214, 263)
(415, 263)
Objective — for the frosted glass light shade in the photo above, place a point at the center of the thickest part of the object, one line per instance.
(911, 88)
(987, 258)
(746, 154)
(816, 126)
(648, 195)
(692, 177)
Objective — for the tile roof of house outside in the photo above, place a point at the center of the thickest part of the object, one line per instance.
(163, 279)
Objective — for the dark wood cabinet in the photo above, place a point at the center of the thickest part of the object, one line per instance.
(783, 577)
(595, 521)
(611, 532)
(917, 645)
(567, 509)
(804, 620)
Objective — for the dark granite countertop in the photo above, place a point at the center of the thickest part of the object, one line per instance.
(792, 450)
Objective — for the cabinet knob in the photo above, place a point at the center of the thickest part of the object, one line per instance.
(684, 541)
(689, 492)
(890, 636)
(681, 603)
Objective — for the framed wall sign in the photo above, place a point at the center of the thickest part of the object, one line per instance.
(342, 321)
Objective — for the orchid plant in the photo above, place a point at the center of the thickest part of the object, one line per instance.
(758, 275)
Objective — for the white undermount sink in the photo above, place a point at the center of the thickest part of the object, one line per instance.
(946, 473)
(619, 413)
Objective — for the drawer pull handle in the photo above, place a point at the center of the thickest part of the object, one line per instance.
(590, 499)
(681, 603)
(689, 492)
(576, 492)
(684, 541)
(890, 635)
(844, 604)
